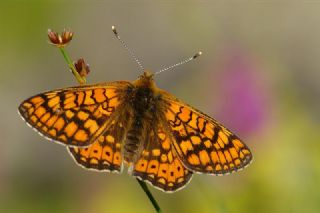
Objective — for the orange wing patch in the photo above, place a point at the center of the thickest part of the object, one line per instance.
(105, 153)
(202, 144)
(159, 164)
(74, 116)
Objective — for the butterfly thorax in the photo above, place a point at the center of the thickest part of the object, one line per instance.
(143, 100)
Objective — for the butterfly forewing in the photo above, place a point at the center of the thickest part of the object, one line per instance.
(202, 144)
(74, 116)
(158, 162)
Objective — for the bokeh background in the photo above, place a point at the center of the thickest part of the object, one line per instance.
(259, 75)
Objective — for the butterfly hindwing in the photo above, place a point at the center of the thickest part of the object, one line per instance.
(105, 154)
(158, 162)
(202, 144)
(74, 116)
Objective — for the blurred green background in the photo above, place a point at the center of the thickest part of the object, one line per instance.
(259, 75)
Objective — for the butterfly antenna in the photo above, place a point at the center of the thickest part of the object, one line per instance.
(114, 30)
(180, 63)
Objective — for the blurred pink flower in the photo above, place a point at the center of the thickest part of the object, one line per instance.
(242, 98)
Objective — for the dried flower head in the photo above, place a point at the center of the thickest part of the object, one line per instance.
(81, 67)
(60, 40)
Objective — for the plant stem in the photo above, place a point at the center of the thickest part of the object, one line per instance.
(150, 196)
(80, 79)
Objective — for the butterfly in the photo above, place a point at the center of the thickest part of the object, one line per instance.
(161, 139)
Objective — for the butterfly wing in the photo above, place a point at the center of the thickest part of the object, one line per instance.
(158, 163)
(203, 144)
(74, 116)
(105, 153)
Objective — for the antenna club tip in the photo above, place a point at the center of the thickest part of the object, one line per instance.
(114, 29)
(197, 55)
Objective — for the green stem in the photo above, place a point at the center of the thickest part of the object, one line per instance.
(80, 79)
(150, 196)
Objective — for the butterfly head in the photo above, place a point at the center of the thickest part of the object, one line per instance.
(147, 74)
(145, 80)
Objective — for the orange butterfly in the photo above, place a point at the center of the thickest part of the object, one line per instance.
(162, 139)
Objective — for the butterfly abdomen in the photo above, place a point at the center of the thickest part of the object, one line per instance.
(141, 103)
(132, 144)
